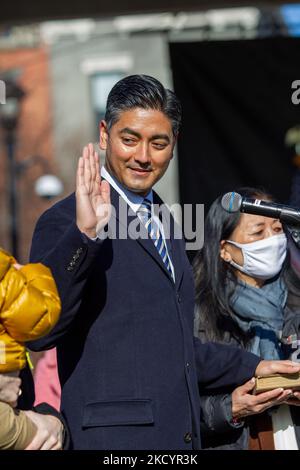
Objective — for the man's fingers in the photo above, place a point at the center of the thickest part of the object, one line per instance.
(88, 176)
(265, 368)
(292, 364)
(105, 191)
(284, 367)
(248, 386)
(91, 148)
(92, 163)
(289, 366)
(87, 169)
(273, 402)
(268, 396)
(79, 174)
(97, 166)
(85, 153)
(281, 398)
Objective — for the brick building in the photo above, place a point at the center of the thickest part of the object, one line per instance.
(34, 137)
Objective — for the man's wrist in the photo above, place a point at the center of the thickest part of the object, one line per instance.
(94, 239)
(89, 233)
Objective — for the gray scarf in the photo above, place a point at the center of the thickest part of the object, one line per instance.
(261, 311)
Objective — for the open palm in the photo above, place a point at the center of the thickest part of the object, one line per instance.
(92, 195)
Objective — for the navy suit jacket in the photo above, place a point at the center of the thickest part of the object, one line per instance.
(128, 362)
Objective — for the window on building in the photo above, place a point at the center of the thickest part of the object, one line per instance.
(101, 84)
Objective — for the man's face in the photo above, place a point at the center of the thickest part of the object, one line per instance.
(139, 147)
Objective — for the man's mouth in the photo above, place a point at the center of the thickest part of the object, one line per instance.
(140, 171)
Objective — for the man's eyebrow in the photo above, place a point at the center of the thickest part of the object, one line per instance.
(259, 224)
(161, 136)
(127, 130)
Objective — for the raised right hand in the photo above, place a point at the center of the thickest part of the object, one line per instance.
(245, 404)
(93, 208)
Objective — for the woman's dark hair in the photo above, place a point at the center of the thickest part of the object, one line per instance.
(142, 91)
(212, 273)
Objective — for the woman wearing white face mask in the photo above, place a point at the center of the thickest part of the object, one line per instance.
(247, 293)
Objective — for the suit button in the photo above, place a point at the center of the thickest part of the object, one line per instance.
(187, 366)
(178, 298)
(188, 437)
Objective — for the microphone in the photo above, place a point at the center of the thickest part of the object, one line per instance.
(234, 202)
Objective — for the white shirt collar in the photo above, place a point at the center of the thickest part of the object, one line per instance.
(133, 200)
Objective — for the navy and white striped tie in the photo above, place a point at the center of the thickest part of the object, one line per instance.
(145, 214)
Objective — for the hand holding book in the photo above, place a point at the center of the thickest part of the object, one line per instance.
(277, 374)
(245, 403)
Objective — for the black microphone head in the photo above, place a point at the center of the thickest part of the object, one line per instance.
(231, 202)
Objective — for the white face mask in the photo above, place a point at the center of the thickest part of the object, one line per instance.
(262, 259)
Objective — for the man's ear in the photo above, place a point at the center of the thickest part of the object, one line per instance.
(225, 255)
(103, 138)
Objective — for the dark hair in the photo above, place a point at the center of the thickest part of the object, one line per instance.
(142, 91)
(212, 273)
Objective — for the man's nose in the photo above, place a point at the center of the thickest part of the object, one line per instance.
(143, 155)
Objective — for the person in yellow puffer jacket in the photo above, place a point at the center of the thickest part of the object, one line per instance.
(29, 309)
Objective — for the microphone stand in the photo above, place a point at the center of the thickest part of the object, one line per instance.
(294, 232)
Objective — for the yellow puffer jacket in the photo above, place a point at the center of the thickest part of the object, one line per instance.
(29, 308)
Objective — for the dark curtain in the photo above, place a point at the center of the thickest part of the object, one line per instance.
(236, 98)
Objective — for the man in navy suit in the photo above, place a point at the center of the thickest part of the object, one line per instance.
(128, 362)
